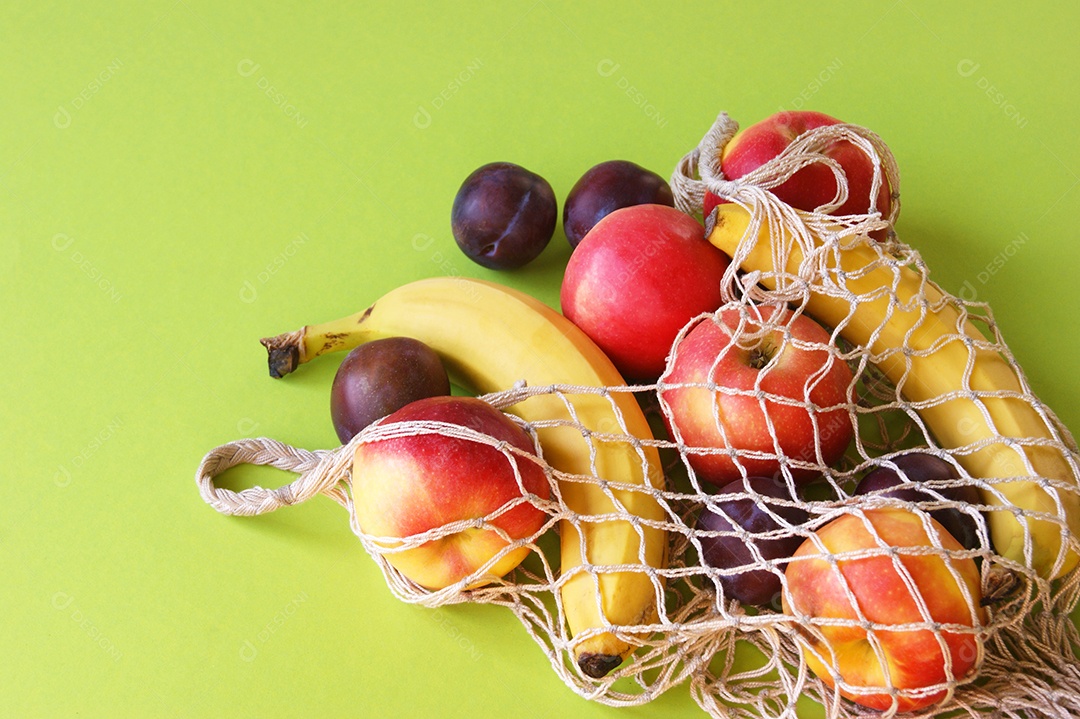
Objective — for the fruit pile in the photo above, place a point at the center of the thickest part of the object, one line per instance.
(821, 453)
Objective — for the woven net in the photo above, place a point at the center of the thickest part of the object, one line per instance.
(878, 588)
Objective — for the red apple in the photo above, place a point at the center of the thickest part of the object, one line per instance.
(404, 486)
(917, 622)
(805, 389)
(814, 185)
(638, 276)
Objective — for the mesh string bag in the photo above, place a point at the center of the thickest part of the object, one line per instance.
(875, 584)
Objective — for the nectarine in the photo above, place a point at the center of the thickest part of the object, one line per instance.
(425, 480)
(914, 626)
(638, 276)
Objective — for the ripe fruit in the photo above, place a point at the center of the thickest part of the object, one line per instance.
(814, 185)
(772, 538)
(920, 467)
(381, 377)
(503, 216)
(917, 656)
(924, 344)
(806, 388)
(640, 275)
(605, 188)
(404, 486)
(493, 336)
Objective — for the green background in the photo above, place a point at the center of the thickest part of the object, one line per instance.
(178, 179)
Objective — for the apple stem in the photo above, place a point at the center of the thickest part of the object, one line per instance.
(761, 355)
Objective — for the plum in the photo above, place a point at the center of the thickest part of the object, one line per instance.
(503, 216)
(380, 377)
(917, 468)
(753, 584)
(605, 188)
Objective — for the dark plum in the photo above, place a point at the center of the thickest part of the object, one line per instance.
(607, 187)
(920, 467)
(753, 586)
(503, 216)
(379, 378)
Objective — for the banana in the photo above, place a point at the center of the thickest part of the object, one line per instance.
(491, 337)
(918, 345)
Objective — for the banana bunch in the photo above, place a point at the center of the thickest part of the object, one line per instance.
(966, 393)
(491, 337)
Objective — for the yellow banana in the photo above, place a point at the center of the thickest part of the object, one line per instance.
(934, 356)
(491, 337)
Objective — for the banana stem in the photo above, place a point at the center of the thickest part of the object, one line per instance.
(284, 351)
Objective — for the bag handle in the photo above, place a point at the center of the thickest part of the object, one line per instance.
(321, 471)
